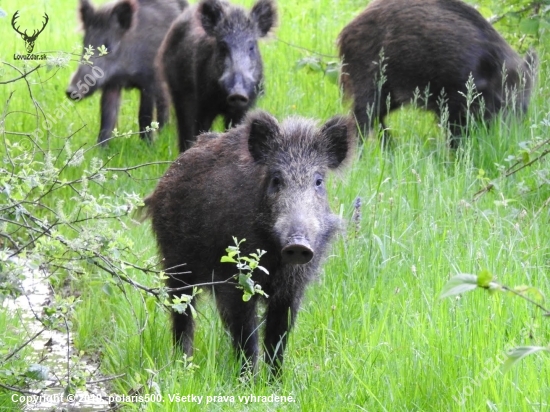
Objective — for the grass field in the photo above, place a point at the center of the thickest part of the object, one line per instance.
(372, 333)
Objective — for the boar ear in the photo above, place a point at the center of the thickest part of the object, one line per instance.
(264, 14)
(124, 12)
(86, 12)
(339, 134)
(263, 130)
(211, 13)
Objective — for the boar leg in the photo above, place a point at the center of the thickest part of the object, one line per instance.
(281, 314)
(204, 121)
(146, 106)
(186, 113)
(110, 103)
(163, 108)
(240, 319)
(183, 326)
(457, 123)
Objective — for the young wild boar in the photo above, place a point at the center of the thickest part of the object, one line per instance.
(263, 182)
(212, 65)
(433, 44)
(132, 31)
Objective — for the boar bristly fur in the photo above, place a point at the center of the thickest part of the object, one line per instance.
(432, 46)
(132, 32)
(212, 65)
(264, 182)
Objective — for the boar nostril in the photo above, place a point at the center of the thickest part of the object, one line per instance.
(297, 253)
(237, 99)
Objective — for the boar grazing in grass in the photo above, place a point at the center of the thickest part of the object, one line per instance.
(264, 182)
(211, 64)
(433, 45)
(132, 31)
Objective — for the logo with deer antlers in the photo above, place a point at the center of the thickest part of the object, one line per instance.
(29, 40)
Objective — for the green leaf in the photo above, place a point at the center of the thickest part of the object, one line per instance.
(179, 307)
(311, 64)
(333, 72)
(38, 372)
(102, 50)
(107, 289)
(263, 269)
(227, 259)
(246, 283)
(314, 66)
(459, 284)
(517, 354)
(484, 278)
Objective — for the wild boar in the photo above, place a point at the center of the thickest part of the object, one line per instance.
(132, 31)
(264, 182)
(432, 45)
(211, 64)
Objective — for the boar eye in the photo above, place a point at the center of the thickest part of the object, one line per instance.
(318, 180)
(319, 183)
(275, 184)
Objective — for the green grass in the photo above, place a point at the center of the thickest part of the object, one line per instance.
(372, 334)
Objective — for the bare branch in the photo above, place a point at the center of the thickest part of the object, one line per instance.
(25, 74)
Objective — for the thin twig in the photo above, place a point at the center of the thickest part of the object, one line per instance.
(521, 295)
(305, 49)
(125, 169)
(110, 378)
(513, 169)
(25, 74)
(19, 390)
(23, 345)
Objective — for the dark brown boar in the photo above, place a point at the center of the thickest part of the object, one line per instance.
(132, 31)
(263, 182)
(431, 45)
(212, 65)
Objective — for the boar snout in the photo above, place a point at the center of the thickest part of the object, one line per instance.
(238, 95)
(237, 99)
(70, 90)
(297, 251)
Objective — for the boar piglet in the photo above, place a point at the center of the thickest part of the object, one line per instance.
(433, 45)
(211, 64)
(132, 31)
(264, 182)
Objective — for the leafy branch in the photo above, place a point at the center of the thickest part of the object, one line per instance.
(484, 280)
(53, 223)
(520, 161)
(245, 266)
